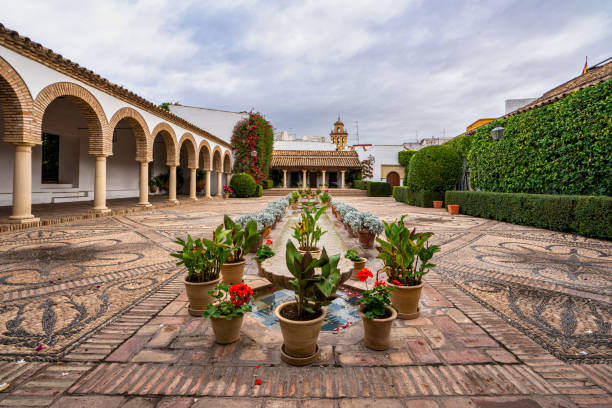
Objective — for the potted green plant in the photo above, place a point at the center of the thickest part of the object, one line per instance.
(165, 180)
(307, 233)
(200, 180)
(227, 192)
(263, 252)
(295, 197)
(325, 198)
(358, 261)
(203, 259)
(227, 313)
(377, 312)
(239, 240)
(301, 319)
(153, 185)
(406, 256)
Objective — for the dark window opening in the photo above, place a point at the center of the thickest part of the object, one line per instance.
(50, 158)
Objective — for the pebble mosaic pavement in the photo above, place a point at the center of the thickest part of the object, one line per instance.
(512, 316)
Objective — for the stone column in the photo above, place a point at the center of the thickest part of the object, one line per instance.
(228, 178)
(144, 185)
(342, 175)
(284, 178)
(304, 179)
(323, 178)
(192, 184)
(207, 184)
(100, 187)
(219, 184)
(172, 185)
(22, 185)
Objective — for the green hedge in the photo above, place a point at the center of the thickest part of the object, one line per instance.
(404, 156)
(462, 144)
(243, 185)
(258, 191)
(379, 189)
(586, 215)
(358, 184)
(434, 168)
(563, 148)
(268, 184)
(417, 198)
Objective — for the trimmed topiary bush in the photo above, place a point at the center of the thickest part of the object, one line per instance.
(404, 157)
(434, 168)
(258, 191)
(268, 184)
(418, 198)
(379, 189)
(586, 215)
(243, 185)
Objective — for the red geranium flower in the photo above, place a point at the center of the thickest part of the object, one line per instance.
(396, 282)
(258, 382)
(240, 294)
(364, 274)
(269, 242)
(379, 283)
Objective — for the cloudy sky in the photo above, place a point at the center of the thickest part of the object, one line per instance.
(397, 67)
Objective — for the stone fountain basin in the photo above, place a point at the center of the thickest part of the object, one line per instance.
(275, 269)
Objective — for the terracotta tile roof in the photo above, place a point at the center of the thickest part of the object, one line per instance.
(593, 76)
(26, 47)
(315, 159)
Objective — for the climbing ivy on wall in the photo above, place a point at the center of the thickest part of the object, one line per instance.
(560, 148)
(253, 134)
(462, 144)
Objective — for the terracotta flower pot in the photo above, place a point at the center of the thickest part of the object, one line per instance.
(232, 272)
(357, 266)
(294, 206)
(198, 296)
(256, 245)
(165, 187)
(299, 337)
(226, 331)
(406, 300)
(437, 204)
(200, 184)
(226, 195)
(366, 238)
(266, 232)
(315, 252)
(153, 189)
(259, 271)
(377, 332)
(453, 209)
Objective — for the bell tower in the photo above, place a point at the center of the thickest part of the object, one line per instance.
(338, 135)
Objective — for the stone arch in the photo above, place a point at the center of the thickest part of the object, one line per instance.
(192, 159)
(227, 162)
(204, 155)
(97, 124)
(169, 137)
(144, 149)
(16, 106)
(216, 160)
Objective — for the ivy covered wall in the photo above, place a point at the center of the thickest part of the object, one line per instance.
(561, 148)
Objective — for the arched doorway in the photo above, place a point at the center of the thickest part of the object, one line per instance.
(217, 166)
(393, 178)
(164, 155)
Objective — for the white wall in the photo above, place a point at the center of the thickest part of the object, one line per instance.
(383, 154)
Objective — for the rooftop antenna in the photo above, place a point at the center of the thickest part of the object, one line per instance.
(357, 126)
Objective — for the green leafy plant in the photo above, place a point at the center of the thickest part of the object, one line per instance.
(295, 196)
(306, 232)
(264, 251)
(239, 240)
(378, 189)
(231, 301)
(253, 134)
(352, 255)
(434, 168)
(312, 290)
(374, 301)
(325, 197)
(203, 258)
(405, 253)
(243, 185)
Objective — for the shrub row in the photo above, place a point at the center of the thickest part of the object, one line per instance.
(267, 184)
(243, 185)
(590, 216)
(378, 189)
(360, 184)
(417, 198)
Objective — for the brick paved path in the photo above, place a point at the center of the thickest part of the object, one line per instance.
(143, 349)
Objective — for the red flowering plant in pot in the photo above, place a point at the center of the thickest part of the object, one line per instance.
(263, 252)
(227, 191)
(377, 312)
(406, 255)
(227, 313)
